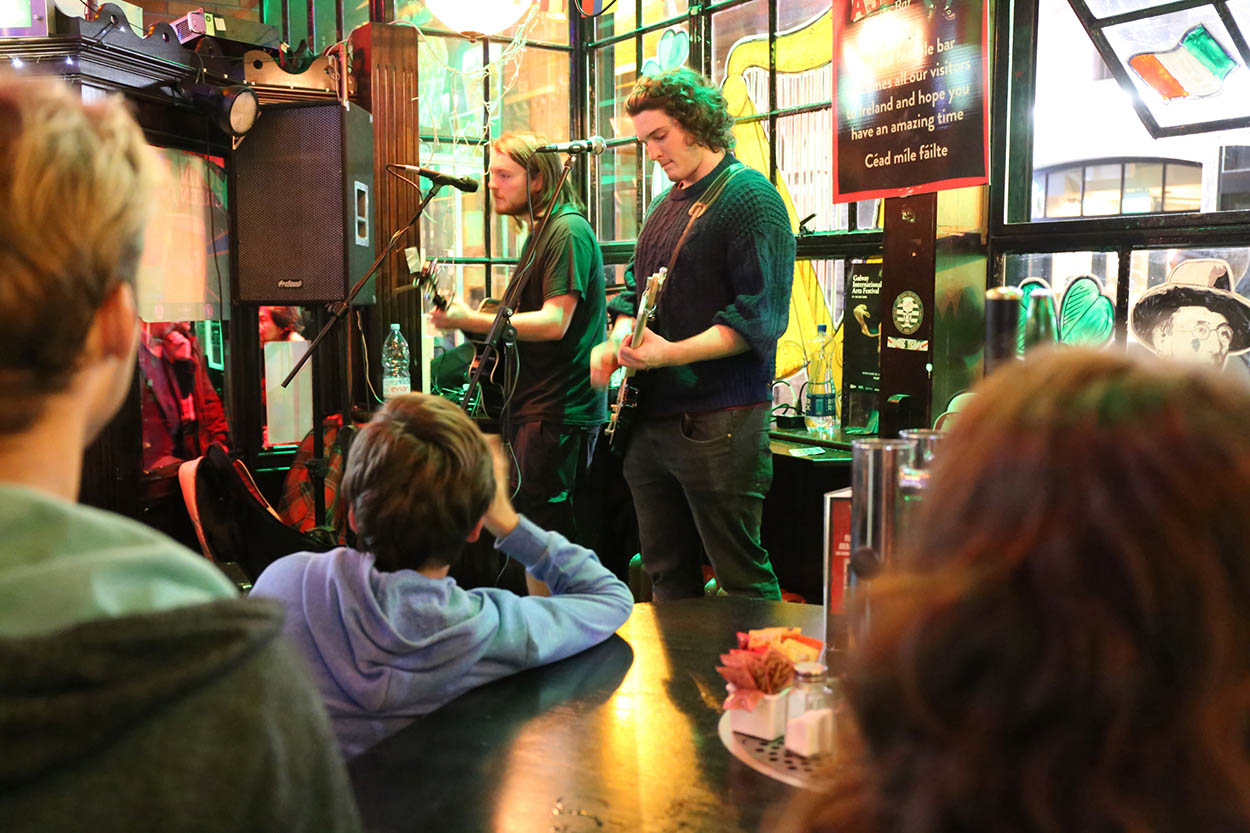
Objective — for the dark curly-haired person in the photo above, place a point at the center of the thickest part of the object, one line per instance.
(697, 460)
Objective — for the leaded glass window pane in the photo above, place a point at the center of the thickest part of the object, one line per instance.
(653, 11)
(1143, 187)
(536, 97)
(1063, 193)
(1182, 189)
(616, 200)
(452, 224)
(1102, 190)
(742, 30)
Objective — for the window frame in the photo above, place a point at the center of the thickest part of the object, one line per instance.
(817, 245)
(1011, 171)
(490, 245)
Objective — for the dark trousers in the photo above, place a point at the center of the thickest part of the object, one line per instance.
(698, 483)
(552, 466)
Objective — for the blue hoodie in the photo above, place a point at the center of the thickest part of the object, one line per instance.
(386, 647)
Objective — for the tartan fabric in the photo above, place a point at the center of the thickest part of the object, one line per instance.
(296, 506)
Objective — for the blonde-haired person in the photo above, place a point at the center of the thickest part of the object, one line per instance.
(136, 689)
(1066, 643)
(387, 631)
(559, 317)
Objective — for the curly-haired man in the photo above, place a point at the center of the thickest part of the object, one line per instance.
(698, 462)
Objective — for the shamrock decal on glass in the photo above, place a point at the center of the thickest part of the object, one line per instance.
(1086, 314)
(670, 53)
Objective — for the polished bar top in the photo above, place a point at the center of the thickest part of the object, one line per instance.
(802, 436)
(620, 737)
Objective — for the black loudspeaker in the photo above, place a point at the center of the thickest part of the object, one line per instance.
(303, 201)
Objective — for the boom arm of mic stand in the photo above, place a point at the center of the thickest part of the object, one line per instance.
(504, 313)
(340, 308)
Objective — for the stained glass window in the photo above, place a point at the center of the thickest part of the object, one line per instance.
(1184, 67)
(1084, 286)
(653, 11)
(742, 28)
(1083, 118)
(1208, 321)
(619, 18)
(471, 91)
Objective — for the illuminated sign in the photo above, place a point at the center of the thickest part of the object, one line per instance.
(910, 85)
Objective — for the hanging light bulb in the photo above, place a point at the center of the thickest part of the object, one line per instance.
(476, 19)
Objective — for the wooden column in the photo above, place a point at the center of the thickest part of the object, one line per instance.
(907, 311)
(384, 66)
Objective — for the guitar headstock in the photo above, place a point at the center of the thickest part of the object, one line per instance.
(655, 283)
(426, 279)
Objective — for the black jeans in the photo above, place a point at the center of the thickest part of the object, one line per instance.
(698, 482)
(554, 461)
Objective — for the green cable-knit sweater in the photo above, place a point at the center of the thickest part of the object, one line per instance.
(735, 268)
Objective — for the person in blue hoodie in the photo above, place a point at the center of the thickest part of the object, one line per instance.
(388, 634)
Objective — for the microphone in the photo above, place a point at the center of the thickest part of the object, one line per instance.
(461, 182)
(595, 145)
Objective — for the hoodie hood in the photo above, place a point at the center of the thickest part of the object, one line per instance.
(67, 695)
(391, 640)
(65, 564)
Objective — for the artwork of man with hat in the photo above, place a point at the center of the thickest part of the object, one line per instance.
(1194, 316)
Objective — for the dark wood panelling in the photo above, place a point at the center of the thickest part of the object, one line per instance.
(384, 65)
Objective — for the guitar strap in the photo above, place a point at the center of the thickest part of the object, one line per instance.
(700, 206)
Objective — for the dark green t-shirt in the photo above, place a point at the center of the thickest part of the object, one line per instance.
(553, 384)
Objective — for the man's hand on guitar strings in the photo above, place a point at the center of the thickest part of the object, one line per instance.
(653, 351)
(454, 317)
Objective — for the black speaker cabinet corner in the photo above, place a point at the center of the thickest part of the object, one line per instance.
(304, 205)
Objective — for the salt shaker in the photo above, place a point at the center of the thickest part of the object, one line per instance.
(809, 711)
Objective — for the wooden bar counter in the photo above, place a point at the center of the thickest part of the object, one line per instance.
(620, 737)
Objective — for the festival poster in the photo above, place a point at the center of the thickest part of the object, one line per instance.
(910, 81)
(861, 348)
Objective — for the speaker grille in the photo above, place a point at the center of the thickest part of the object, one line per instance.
(290, 206)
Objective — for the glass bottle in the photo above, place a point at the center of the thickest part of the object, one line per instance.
(1040, 326)
(809, 711)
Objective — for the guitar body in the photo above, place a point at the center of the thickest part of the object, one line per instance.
(621, 422)
(495, 382)
(624, 410)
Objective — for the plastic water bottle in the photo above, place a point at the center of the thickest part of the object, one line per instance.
(820, 413)
(396, 379)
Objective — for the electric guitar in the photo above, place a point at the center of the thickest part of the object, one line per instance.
(619, 423)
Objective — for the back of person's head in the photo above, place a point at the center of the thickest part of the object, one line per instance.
(1065, 644)
(418, 480)
(287, 319)
(689, 99)
(75, 184)
(522, 148)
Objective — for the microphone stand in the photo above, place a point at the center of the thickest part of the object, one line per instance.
(501, 332)
(339, 309)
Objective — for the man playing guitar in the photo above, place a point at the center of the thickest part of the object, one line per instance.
(697, 460)
(554, 415)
